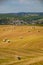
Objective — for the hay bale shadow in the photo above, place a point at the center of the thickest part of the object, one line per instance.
(19, 58)
(4, 40)
(29, 31)
(38, 30)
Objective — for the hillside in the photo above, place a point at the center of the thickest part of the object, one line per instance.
(21, 18)
(25, 42)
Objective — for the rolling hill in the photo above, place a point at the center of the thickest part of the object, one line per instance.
(21, 18)
(21, 45)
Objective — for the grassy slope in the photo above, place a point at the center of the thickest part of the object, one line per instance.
(25, 41)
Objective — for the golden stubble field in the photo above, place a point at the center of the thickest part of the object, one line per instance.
(21, 45)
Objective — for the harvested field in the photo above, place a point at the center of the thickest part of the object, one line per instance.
(23, 42)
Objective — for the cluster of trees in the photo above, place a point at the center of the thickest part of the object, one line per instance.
(18, 19)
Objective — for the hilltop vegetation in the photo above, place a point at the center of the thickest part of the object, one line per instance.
(21, 18)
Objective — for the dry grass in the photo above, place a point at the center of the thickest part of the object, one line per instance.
(26, 42)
